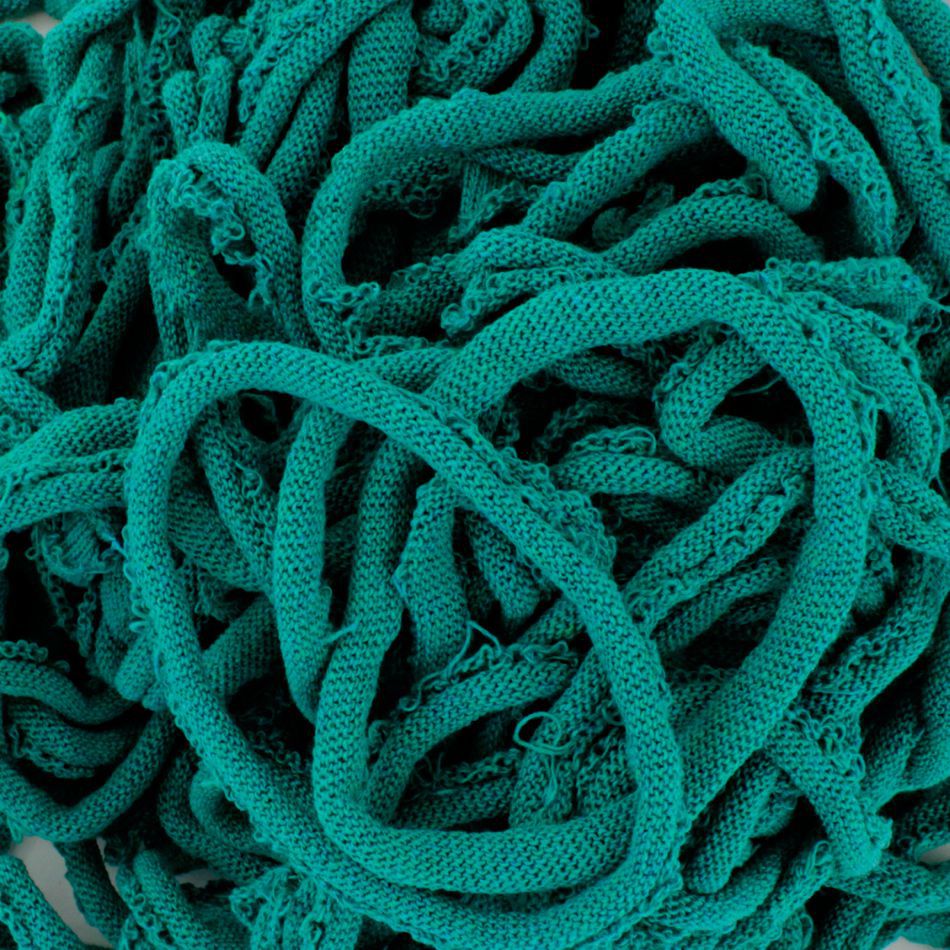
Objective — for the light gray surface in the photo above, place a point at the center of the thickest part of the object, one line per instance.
(47, 868)
(42, 22)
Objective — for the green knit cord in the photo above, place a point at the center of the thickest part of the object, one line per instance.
(473, 473)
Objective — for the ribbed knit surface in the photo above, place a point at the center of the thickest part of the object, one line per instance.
(470, 472)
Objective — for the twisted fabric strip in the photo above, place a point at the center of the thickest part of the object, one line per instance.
(473, 472)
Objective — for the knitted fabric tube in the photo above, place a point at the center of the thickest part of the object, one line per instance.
(473, 473)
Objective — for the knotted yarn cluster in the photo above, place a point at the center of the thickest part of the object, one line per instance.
(470, 472)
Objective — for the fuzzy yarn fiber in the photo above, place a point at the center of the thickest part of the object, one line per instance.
(470, 472)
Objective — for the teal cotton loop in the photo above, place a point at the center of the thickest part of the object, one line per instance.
(473, 472)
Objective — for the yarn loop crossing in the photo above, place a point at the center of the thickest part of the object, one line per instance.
(473, 473)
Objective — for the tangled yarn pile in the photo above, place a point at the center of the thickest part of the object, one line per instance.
(470, 472)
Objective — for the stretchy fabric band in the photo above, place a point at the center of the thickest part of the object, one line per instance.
(473, 473)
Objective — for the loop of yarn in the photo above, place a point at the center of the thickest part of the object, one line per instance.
(473, 473)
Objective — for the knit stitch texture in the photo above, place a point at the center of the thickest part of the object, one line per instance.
(473, 472)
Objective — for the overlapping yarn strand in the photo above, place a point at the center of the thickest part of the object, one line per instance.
(473, 473)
